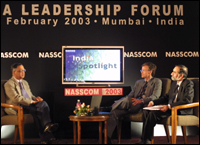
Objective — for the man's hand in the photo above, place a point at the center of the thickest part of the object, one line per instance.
(38, 98)
(33, 102)
(150, 104)
(164, 108)
(136, 101)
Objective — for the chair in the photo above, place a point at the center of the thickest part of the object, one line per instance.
(18, 120)
(183, 120)
(166, 83)
(95, 103)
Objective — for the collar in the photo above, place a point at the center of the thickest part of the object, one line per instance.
(148, 79)
(17, 80)
(179, 84)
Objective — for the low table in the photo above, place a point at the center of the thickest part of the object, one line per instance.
(99, 118)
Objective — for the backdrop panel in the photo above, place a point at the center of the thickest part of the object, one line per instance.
(33, 33)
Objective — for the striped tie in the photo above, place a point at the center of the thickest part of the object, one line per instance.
(142, 91)
(174, 94)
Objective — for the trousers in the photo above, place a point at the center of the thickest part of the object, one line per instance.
(150, 119)
(41, 115)
(118, 113)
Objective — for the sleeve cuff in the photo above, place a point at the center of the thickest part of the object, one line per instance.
(169, 106)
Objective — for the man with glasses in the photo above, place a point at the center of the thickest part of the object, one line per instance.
(18, 92)
(144, 91)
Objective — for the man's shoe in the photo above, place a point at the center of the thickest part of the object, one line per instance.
(144, 142)
(51, 127)
(147, 142)
(140, 142)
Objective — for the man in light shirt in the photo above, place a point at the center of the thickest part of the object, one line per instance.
(181, 92)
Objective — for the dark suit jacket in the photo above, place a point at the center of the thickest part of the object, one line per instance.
(153, 91)
(185, 96)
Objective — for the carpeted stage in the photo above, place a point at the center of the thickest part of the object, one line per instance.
(157, 140)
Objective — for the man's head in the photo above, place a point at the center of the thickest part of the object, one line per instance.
(179, 73)
(148, 70)
(18, 71)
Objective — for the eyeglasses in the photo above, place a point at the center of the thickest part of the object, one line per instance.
(20, 71)
(143, 70)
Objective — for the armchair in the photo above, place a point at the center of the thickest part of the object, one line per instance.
(18, 120)
(183, 120)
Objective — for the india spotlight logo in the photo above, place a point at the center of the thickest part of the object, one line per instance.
(83, 58)
(87, 62)
(98, 66)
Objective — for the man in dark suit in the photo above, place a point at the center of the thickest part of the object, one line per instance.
(18, 92)
(145, 90)
(181, 92)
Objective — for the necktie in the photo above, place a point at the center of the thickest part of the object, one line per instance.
(24, 93)
(174, 94)
(142, 91)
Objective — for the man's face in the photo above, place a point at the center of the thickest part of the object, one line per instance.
(145, 72)
(19, 72)
(175, 76)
